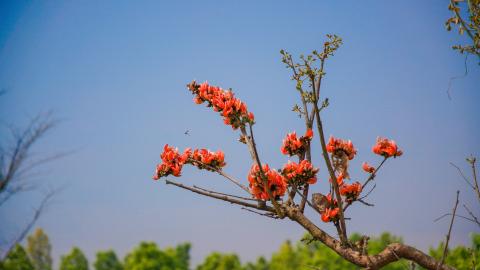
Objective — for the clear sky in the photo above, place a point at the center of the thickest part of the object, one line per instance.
(115, 72)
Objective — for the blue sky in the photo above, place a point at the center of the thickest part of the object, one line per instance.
(114, 73)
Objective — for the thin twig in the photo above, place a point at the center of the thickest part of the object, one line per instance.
(270, 215)
(472, 161)
(365, 203)
(449, 214)
(447, 239)
(472, 215)
(221, 197)
(370, 178)
(463, 175)
(450, 81)
(222, 173)
(225, 194)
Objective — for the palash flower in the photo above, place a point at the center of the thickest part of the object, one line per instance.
(300, 173)
(233, 110)
(206, 159)
(387, 148)
(334, 145)
(367, 168)
(352, 191)
(330, 213)
(296, 146)
(275, 182)
(172, 163)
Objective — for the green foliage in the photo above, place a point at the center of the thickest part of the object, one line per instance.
(39, 250)
(75, 260)
(107, 260)
(260, 264)
(147, 256)
(219, 261)
(17, 259)
(460, 257)
(287, 257)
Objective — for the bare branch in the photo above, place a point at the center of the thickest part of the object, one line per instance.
(370, 178)
(472, 161)
(259, 206)
(270, 215)
(472, 215)
(463, 176)
(23, 142)
(225, 194)
(222, 173)
(449, 214)
(343, 228)
(447, 239)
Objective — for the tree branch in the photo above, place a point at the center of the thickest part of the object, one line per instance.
(222, 173)
(222, 197)
(447, 239)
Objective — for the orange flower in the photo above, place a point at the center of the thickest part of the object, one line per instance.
(330, 213)
(367, 168)
(275, 183)
(309, 133)
(296, 146)
(205, 159)
(351, 192)
(334, 145)
(233, 110)
(172, 163)
(387, 148)
(299, 174)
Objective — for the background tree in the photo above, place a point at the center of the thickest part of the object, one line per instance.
(39, 250)
(286, 258)
(220, 261)
(75, 260)
(260, 264)
(147, 256)
(17, 259)
(107, 260)
(17, 167)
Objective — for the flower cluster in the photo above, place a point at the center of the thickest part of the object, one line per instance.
(336, 145)
(205, 159)
(233, 110)
(296, 146)
(275, 182)
(172, 162)
(300, 173)
(387, 148)
(330, 213)
(368, 168)
(351, 192)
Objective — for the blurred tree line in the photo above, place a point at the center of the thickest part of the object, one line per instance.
(148, 256)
